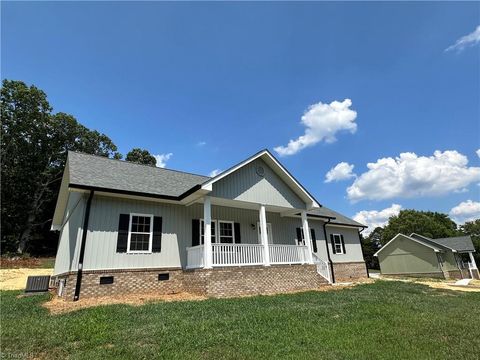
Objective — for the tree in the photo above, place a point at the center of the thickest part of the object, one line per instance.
(370, 245)
(472, 228)
(34, 149)
(140, 156)
(427, 223)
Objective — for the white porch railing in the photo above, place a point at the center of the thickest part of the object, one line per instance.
(288, 254)
(247, 254)
(195, 257)
(322, 268)
(237, 254)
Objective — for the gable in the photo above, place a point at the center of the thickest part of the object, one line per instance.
(404, 245)
(245, 184)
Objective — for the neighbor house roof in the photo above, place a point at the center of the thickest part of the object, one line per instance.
(100, 172)
(457, 243)
(336, 217)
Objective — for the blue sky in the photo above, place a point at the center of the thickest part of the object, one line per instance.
(212, 83)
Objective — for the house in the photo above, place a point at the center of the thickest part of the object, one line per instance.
(253, 229)
(420, 256)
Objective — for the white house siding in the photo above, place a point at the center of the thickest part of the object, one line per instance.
(246, 185)
(353, 248)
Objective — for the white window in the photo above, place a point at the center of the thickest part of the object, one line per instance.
(140, 233)
(213, 230)
(226, 233)
(337, 243)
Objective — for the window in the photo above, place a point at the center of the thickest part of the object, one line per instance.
(213, 230)
(226, 232)
(337, 243)
(140, 234)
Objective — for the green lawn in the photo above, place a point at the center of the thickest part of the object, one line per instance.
(387, 319)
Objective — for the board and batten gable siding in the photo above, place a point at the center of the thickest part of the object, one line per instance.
(100, 250)
(405, 256)
(246, 185)
(353, 247)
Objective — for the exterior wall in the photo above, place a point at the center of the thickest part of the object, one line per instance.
(246, 185)
(220, 282)
(449, 261)
(353, 247)
(349, 271)
(100, 250)
(404, 256)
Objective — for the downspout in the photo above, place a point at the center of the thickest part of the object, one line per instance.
(328, 251)
(360, 239)
(82, 247)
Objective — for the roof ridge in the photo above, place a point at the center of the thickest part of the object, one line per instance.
(133, 163)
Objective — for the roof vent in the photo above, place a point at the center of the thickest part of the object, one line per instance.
(260, 171)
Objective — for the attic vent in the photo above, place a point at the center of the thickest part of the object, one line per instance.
(260, 171)
(37, 284)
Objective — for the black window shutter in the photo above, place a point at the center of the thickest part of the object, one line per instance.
(157, 234)
(314, 240)
(238, 236)
(195, 232)
(343, 244)
(333, 243)
(299, 235)
(122, 239)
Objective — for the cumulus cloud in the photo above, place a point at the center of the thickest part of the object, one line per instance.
(341, 171)
(409, 175)
(466, 211)
(215, 172)
(322, 122)
(162, 159)
(465, 41)
(478, 153)
(376, 218)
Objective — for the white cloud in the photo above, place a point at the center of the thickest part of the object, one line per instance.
(201, 143)
(465, 41)
(375, 218)
(409, 175)
(341, 171)
(162, 159)
(322, 122)
(478, 153)
(215, 172)
(466, 211)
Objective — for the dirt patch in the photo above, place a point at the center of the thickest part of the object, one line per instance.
(474, 285)
(59, 306)
(16, 279)
(26, 262)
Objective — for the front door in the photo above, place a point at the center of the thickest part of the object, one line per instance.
(269, 233)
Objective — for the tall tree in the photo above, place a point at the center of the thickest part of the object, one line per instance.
(141, 156)
(34, 148)
(431, 224)
(472, 228)
(370, 246)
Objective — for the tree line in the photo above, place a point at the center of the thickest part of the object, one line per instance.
(34, 146)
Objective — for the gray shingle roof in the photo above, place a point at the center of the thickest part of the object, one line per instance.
(338, 218)
(459, 243)
(102, 172)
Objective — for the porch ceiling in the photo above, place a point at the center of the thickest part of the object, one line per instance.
(248, 205)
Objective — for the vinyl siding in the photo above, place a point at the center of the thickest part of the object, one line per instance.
(404, 256)
(353, 247)
(449, 262)
(246, 185)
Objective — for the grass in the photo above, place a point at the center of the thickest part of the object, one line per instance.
(384, 320)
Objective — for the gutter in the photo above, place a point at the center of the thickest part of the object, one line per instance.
(328, 251)
(82, 247)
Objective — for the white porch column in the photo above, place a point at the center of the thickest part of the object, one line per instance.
(264, 235)
(472, 260)
(207, 242)
(306, 236)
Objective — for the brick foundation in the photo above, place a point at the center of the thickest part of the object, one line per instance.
(349, 271)
(218, 282)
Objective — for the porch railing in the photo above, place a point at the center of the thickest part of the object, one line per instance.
(288, 254)
(237, 254)
(322, 268)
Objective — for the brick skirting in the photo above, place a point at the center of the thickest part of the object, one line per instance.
(218, 282)
(349, 271)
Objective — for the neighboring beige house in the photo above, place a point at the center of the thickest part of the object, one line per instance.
(420, 256)
(253, 229)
